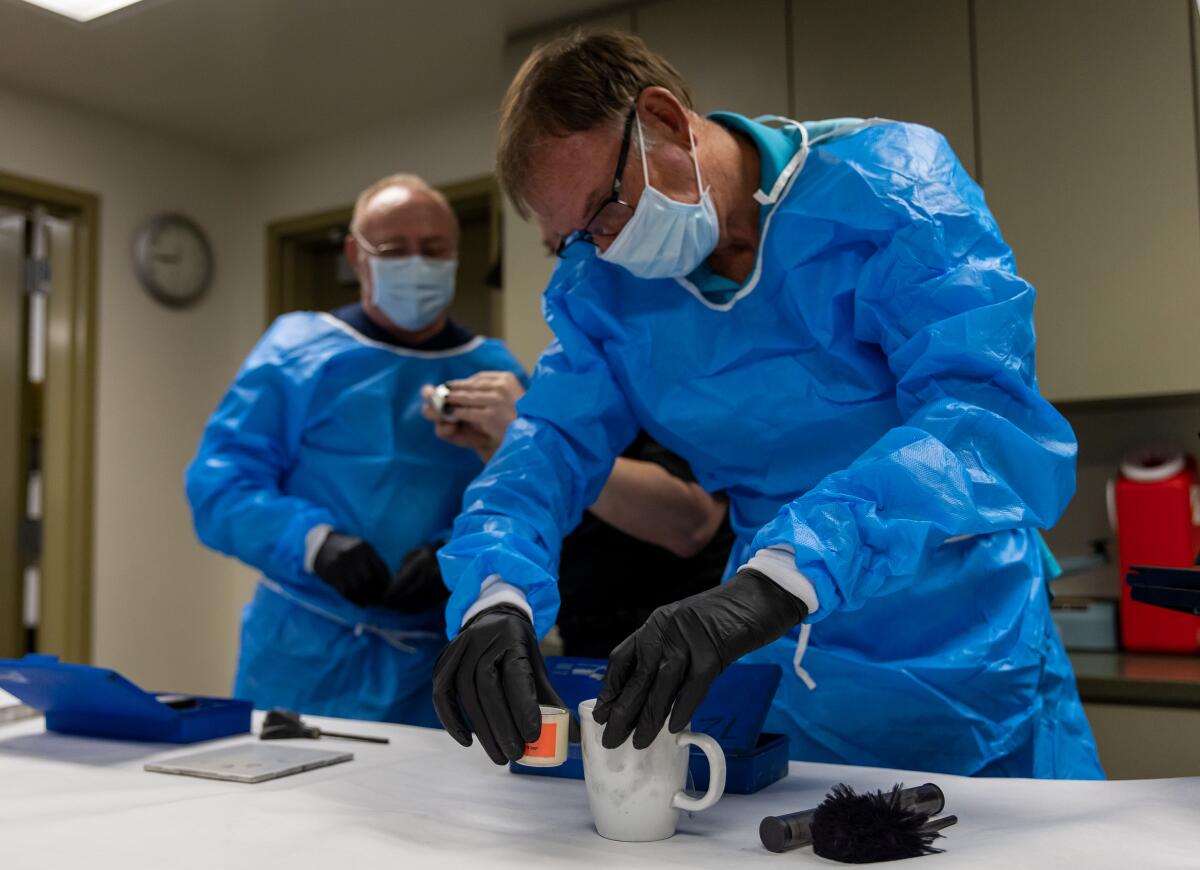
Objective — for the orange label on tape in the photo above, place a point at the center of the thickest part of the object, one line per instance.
(544, 746)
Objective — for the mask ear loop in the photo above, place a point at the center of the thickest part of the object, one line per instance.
(642, 148)
(695, 157)
(696, 161)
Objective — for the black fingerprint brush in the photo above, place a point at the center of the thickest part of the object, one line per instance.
(860, 828)
(875, 826)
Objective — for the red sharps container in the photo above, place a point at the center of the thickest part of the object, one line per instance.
(1156, 511)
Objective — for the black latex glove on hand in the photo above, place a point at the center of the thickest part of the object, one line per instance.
(490, 680)
(352, 567)
(667, 665)
(418, 585)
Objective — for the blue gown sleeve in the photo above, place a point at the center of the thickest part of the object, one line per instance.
(979, 450)
(496, 357)
(552, 464)
(234, 483)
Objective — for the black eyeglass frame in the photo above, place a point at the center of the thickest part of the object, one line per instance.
(585, 234)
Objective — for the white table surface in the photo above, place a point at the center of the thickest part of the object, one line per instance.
(423, 801)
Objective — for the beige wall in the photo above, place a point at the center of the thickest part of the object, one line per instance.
(1146, 742)
(165, 610)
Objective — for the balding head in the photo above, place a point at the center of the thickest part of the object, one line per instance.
(403, 210)
(394, 191)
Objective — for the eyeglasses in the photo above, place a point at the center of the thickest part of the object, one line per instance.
(373, 250)
(612, 214)
(434, 248)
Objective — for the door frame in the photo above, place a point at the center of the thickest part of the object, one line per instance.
(281, 234)
(68, 453)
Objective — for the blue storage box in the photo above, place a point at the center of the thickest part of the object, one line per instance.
(98, 702)
(733, 713)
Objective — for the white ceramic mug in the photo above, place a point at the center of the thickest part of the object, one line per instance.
(636, 794)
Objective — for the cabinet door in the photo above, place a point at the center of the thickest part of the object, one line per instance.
(733, 55)
(904, 59)
(12, 390)
(1088, 156)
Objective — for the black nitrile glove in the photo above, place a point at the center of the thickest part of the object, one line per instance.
(667, 665)
(418, 585)
(352, 567)
(490, 680)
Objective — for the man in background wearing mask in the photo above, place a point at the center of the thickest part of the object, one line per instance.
(318, 470)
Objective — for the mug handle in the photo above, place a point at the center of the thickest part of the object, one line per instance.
(716, 773)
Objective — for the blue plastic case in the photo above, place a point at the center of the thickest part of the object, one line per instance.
(98, 702)
(733, 712)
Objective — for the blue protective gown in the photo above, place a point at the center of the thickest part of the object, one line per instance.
(323, 425)
(867, 399)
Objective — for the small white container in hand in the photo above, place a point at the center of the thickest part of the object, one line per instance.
(550, 749)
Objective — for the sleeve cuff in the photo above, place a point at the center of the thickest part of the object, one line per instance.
(779, 564)
(495, 591)
(313, 541)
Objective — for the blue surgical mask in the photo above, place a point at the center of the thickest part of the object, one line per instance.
(412, 291)
(665, 238)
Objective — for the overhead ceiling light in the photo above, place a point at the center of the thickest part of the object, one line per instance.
(83, 10)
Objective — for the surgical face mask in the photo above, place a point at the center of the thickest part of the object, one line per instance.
(665, 238)
(412, 291)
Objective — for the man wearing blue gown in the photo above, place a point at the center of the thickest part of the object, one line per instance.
(824, 321)
(318, 470)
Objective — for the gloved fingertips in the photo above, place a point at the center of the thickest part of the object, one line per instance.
(467, 693)
(444, 703)
(531, 729)
(452, 722)
(497, 708)
(601, 712)
(511, 743)
(613, 737)
(520, 690)
(689, 699)
(494, 753)
(648, 725)
(527, 714)
(490, 745)
(621, 662)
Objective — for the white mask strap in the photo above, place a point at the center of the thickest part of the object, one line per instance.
(695, 157)
(642, 145)
(696, 160)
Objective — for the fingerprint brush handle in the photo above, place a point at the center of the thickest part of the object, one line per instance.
(361, 737)
(934, 825)
(784, 833)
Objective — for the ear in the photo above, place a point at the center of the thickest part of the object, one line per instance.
(354, 258)
(664, 116)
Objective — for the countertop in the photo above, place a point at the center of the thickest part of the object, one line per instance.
(1138, 678)
(423, 801)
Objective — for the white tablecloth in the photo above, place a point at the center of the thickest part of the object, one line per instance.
(425, 802)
